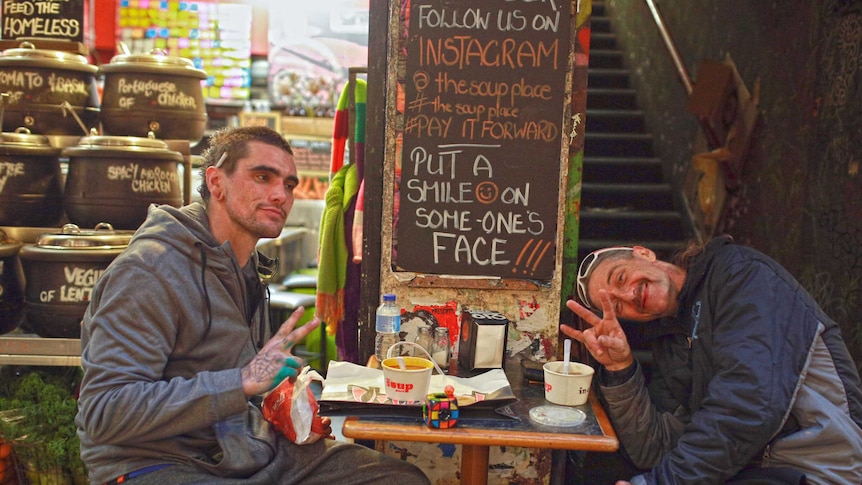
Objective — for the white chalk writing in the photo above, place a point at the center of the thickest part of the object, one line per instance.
(9, 170)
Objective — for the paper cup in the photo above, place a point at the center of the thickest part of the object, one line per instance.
(410, 385)
(570, 389)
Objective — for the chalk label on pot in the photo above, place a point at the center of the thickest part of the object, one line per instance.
(158, 94)
(73, 88)
(79, 287)
(9, 170)
(145, 180)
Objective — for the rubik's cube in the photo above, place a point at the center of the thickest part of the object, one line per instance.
(440, 410)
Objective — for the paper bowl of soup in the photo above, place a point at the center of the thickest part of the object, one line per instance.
(410, 384)
(570, 388)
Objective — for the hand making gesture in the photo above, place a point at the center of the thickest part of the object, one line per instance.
(275, 361)
(605, 340)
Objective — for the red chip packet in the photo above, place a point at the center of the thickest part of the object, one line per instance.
(292, 408)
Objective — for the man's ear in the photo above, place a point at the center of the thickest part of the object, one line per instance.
(214, 181)
(643, 252)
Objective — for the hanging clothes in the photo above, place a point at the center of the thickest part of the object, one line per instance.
(339, 275)
(332, 249)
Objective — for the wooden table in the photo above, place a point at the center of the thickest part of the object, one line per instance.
(477, 436)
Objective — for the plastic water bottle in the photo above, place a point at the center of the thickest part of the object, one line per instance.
(387, 324)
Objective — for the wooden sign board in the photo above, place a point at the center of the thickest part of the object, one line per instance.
(256, 118)
(313, 156)
(45, 19)
(484, 106)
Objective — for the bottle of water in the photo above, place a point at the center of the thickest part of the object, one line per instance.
(388, 324)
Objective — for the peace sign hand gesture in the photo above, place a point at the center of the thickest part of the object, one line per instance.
(605, 340)
(275, 361)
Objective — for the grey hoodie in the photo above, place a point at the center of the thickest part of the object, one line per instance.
(168, 329)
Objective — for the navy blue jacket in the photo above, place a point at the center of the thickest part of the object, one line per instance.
(751, 372)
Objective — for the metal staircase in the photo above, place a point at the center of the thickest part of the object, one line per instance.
(624, 197)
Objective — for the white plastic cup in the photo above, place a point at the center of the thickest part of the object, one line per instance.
(572, 389)
(410, 385)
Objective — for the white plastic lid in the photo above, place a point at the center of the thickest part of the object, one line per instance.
(549, 415)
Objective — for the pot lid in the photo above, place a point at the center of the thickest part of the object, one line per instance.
(129, 146)
(22, 137)
(122, 142)
(156, 60)
(72, 237)
(8, 246)
(28, 52)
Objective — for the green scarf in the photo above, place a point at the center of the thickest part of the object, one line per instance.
(332, 256)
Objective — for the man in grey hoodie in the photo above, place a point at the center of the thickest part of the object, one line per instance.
(175, 342)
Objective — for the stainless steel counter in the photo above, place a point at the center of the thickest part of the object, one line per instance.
(28, 349)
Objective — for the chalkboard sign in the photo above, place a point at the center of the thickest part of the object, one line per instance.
(483, 118)
(47, 19)
(312, 155)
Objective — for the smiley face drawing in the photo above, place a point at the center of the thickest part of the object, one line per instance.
(486, 192)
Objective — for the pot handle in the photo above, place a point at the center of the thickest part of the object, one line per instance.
(418, 347)
(4, 100)
(65, 107)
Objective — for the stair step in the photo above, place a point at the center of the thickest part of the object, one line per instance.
(618, 144)
(616, 121)
(631, 224)
(599, 9)
(602, 98)
(606, 58)
(622, 169)
(632, 196)
(608, 78)
(602, 40)
(601, 24)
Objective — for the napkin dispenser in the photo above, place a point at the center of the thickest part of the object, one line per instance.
(482, 340)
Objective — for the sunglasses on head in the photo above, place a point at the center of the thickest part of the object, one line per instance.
(586, 269)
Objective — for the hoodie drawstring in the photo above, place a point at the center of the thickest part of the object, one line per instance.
(206, 293)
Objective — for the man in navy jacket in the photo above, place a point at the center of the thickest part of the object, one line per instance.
(751, 377)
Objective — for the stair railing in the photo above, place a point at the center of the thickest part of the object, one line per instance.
(671, 47)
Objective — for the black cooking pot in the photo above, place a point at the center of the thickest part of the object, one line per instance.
(155, 93)
(31, 191)
(48, 91)
(61, 270)
(115, 178)
(11, 284)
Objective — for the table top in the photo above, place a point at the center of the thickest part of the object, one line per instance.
(594, 433)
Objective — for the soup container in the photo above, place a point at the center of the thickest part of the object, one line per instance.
(155, 93)
(31, 188)
(567, 389)
(60, 270)
(114, 179)
(408, 385)
(11, 284)
(49, 92)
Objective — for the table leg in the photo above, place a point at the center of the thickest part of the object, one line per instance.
(558, 467)
(474, 464)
